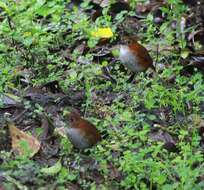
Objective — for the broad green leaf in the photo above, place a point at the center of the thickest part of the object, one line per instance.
(53, 169)
(115, 51)
(185, 53)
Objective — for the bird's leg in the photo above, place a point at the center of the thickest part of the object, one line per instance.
(152, 73)
(131, 77)
(108, 76)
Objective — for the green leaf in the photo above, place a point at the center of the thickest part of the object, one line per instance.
(126, 116)
(185, 53)
(53, 169)
(5, 7)
(43, 11)
(12, 96)
(115, 51)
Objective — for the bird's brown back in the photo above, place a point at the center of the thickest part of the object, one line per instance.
(142, 54)
(89, 130)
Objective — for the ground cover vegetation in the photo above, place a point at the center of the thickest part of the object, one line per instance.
(53, 58)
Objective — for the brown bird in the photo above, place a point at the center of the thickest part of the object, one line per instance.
(82, 133)
(134, 56)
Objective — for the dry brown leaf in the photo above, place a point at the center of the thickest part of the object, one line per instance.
(18, 137)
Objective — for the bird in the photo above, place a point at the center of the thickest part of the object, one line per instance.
(134, 56)
(81, 133)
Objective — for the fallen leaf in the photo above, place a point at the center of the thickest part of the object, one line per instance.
(166, 138)
(9, 100)
(149, 7)
(22, 142)
(102, 33)
(47, 126)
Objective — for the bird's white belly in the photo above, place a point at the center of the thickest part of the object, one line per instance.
(129, 60)
(77, 138)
